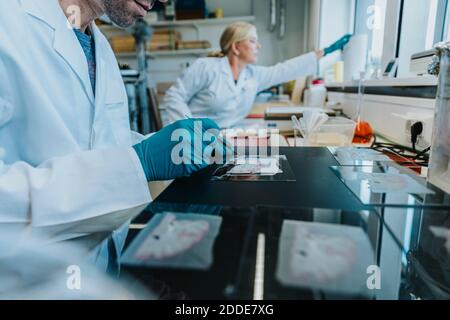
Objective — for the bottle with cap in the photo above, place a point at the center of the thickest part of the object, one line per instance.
(316, 95)
(169, 10)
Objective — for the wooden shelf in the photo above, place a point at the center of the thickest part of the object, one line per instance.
(167, 53)
(112, 31)
(199, 22)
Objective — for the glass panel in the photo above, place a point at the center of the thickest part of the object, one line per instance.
(388, 184)
(257, 248)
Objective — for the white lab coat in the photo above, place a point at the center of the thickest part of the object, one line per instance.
(207, 88)
(66, 154)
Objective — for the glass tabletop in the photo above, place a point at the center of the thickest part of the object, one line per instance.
(213, 252)
(389, 184)
(424, 235)
(350, 156)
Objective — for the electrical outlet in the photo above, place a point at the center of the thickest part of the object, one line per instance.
(421, 143)
(407, 120)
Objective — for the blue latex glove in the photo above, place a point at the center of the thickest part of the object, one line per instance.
(162, 155)
(338, 45)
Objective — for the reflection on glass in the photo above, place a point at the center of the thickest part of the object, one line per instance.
(326, 257)
(304, 253)
(357, 156)
(171, 240)
(388, 184)
(425, 238)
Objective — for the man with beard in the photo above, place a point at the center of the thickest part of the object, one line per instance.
(67, 153)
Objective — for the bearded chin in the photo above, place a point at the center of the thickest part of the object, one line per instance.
(115, 11)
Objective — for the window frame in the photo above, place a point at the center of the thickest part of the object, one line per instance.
(441, 26)
(446, 31)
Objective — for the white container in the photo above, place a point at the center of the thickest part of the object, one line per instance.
(336, 132)
(316, 96)
(355, 57)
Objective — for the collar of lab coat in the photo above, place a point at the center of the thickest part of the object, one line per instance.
(64, 41)
(243, 77)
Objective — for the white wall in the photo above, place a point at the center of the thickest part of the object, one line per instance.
(274, 49)
(336, 21)
(232, 8)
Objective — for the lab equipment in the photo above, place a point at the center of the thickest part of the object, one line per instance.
(355, 57)
(255, 168)
(349, 156)
(171, 238)
(310, 122)
(246, 166)
(175, 240)
(387, 184)
(131, 80)
(169, 10)
(325, 257)
(263, 166)
(361, 88)
(334, 132)
(338, 69)
(363, 133)
(142, 33)
(156, 153)
(338, 45)
(316, 95)
(391, 69)
(319, 131)
(219, 13)
(393, 183)
(421, 61)
(439, 171)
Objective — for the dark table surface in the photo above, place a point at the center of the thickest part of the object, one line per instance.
(414, 262)
(316, 186)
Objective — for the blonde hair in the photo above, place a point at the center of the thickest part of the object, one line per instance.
(236, 32)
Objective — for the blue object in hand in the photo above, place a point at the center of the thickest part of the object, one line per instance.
(178, 149)
(338, 45)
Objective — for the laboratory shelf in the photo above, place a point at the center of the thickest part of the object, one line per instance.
(113, 31)
(167, 53)
(215, 21)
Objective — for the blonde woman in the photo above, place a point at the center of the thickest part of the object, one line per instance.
(224, 87)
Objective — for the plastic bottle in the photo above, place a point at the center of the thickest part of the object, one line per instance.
(316, 95)
(338, 68)
(169, 10)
